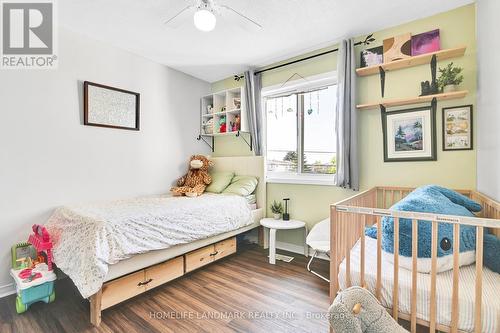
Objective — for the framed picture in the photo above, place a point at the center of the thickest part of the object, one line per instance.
(372, 57)
(457, 128)
(105, 106)
(426, 42)
(410, 134)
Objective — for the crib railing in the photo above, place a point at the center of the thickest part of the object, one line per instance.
(349, 219)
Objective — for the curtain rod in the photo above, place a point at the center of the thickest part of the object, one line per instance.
(369, 39)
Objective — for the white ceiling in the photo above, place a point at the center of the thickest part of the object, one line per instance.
(290, 27)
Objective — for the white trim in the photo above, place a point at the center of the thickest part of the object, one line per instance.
(300, 85)
(299, 249)
(301, 179)
(7, 289)
(252, 237)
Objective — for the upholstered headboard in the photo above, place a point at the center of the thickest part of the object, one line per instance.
(245, 166)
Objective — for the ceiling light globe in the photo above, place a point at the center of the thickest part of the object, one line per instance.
(204, 20)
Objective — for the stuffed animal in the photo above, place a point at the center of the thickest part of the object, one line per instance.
(196, 180)
(356, 310)
(436, 199)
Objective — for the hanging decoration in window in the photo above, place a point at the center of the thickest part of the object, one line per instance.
(317, 101)
(310, 110)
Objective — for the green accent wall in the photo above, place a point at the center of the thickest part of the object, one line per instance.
(455, 169)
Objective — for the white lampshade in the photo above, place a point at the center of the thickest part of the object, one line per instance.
(204, 20)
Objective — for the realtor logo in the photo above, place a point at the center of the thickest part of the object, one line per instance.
(28, 34)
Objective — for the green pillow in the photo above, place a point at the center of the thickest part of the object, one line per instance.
(242, 185)
(220, 180)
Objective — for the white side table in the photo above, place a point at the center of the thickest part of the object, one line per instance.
(274, 225)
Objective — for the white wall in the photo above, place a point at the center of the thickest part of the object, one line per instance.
(48, 158)
(488, 109)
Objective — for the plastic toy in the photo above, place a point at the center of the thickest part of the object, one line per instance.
(40, 239)
(34, 277)
(222, 124)
(20, 253)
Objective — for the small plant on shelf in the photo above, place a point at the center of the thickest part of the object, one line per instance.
(450, 78)
(277, 209)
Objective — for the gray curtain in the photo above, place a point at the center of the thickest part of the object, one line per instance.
(346, 118)
(253, 87)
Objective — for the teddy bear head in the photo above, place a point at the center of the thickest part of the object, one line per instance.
(200, 162)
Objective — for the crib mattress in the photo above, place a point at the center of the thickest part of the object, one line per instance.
(444, 285)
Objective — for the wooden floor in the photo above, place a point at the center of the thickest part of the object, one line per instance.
(241, 293)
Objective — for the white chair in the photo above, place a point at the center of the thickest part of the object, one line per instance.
(319, 240)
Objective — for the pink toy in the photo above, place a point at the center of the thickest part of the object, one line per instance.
(40, 239)
(29, 275)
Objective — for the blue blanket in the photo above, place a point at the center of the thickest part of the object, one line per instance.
(436, 199)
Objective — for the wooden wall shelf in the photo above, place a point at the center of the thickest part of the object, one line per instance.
(414, 100)
(423, 59)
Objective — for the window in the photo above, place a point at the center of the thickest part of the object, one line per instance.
(300, 133)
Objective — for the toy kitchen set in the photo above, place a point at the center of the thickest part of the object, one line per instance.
(32, 270)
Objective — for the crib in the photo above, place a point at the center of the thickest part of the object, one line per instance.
(357, 266)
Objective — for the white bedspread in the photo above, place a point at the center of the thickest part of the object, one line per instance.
(87, 238)
(444, 283)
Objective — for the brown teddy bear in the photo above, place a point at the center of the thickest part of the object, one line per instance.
(196, 180)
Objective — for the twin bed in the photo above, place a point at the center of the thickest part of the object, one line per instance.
(115, 250)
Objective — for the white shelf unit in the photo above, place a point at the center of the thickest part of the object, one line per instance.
(224, 106)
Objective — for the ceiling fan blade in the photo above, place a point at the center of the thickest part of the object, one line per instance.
(238, 18)
(180, 18)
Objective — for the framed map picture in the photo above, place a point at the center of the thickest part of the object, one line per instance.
(409, 135)
(457, 128)
(106, 106)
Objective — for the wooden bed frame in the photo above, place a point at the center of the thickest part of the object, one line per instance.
(133, 284)
(141, 279)
(348, 220)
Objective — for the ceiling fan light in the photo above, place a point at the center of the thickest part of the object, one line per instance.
(204, 20)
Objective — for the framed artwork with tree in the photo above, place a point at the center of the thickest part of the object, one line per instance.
(409, 134)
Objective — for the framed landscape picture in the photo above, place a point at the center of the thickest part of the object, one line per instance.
(457, 128)
(409, 135)
(106, 106)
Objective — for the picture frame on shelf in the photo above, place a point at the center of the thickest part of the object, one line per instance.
(409, 134)
(458, 128)
(236, 103)
(397, 47)
(426, 42)
(372, 56)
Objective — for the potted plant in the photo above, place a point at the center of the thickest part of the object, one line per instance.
(277, 209)
(450, 78)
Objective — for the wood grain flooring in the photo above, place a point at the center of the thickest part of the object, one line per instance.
(240, 293)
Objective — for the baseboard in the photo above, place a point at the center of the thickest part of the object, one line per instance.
(290, 247)
(299, 249)
(7, 289)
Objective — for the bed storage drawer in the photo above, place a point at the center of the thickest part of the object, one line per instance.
(116, 291)
(199, 258)
(225, 248)
(164, 272)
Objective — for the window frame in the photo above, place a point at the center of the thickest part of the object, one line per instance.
(298, 87)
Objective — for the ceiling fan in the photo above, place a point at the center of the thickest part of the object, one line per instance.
(205, 12)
